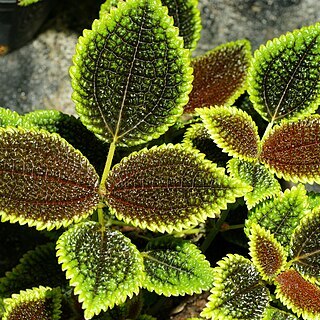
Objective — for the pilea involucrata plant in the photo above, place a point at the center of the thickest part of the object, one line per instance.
(167, 152)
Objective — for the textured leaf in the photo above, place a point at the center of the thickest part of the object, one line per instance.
(233, 130)
(71, 129)
(104, 266)
(36, 304)
(185, 13)
(169, 188)
(238, 292)
(131, 76)
(305, 246)
(284, 77)
(277, 314)
(292, 149)
(37, 267)
(130, 309)
(298, 294)
(280, 214)
(176, 267)
(44, 181)
(267, 254)
(263, 183)
(220, 76)
(314, 200)
(197, 137)
(9, 118)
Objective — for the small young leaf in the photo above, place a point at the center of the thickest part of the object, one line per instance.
(9, 118)
(299, 295)
(104, 266)
(37, 267)
(131, 75)
(263, 183)
(267, 254)
(291, 150)
(220, 76)
(197, 137)
(233, 130)
(305, 246)
(185, 13)
(280, 214)
(238, 292)
(41, 303)
(44, 181)
(284, 76)
(169, 188)
(176, 267)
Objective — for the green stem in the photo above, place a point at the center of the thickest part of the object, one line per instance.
(269, 127)
(233, 227)
(102, 186)
(101, 217)
(214, 231)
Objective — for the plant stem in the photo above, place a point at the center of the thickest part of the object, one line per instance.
(102, 186)
(214, 231)
(233, 227)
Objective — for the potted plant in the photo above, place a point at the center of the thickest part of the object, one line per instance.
(172, 159)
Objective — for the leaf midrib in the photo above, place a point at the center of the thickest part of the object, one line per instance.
(292, 77)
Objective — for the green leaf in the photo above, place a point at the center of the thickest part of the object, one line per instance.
(185, 13)
(176, 267)
(284, 77)
(169, 188)
(267, 253)
(305, 246)
(280, 214)
(277, 314)
(71, 129)
(263, 183)
(9, 118)
(131, 75)
(220, 76)
(197, 137)
(314, 200)
(25, 3)
(233, 130)
(41, 303)
(104, 266)
(291, 150)
(44, 181)
(36, 267)
(130, 309)
(299, 295)
(238, 292)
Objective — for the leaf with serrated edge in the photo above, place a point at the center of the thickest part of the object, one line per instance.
(233, 130)
(220, 76)
(305, 246)
(238, 292)
(41, 303)
(169, 188)
(185, 13)
(284, 76)
(9, 118)
(36, 267)
(291, 150)
(197, 137)
(263, 183)
(298, 294)
(277, 314)
(131, 75)
(104, 266)
(267, 253)
(281, 214)
(176, 267)
(44, 181)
